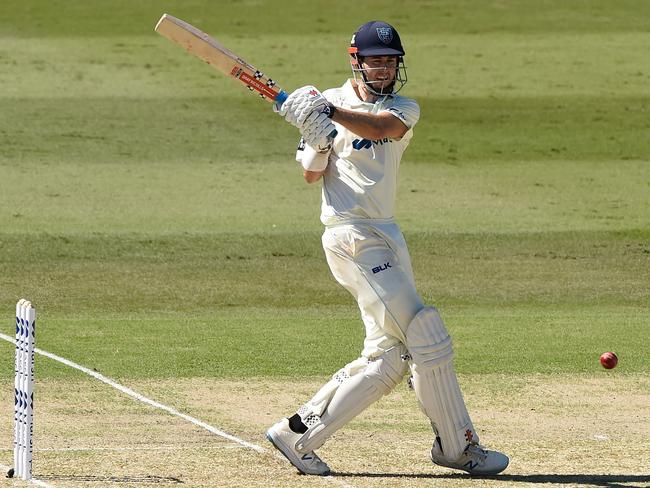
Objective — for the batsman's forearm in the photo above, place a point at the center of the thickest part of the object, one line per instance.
(368, 126)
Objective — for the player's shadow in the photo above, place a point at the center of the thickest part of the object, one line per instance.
(605, 480)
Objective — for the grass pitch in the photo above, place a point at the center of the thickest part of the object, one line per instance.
(386, 445)
(153, 212)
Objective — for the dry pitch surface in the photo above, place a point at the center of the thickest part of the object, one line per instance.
(558, 430)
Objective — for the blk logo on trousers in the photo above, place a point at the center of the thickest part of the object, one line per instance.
(379, 269)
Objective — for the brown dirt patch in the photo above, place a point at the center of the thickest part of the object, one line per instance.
(559, 431)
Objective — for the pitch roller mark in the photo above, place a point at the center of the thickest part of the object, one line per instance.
(160, 406)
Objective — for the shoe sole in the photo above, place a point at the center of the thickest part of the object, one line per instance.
(269, 437)
(493, 472)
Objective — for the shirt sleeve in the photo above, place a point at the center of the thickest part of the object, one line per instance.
(405, 109)
(330, 96)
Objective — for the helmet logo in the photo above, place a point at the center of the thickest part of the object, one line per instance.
(385, 34)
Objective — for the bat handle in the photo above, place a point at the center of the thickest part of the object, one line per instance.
(283, 95)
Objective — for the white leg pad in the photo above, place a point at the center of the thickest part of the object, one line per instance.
(350, 391)
(435, 383)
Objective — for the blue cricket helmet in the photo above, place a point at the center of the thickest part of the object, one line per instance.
(376, 38)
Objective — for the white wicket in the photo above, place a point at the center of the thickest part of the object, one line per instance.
(24, 389)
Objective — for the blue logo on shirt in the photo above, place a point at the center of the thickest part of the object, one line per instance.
(359, 144)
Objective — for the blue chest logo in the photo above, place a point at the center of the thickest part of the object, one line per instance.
(359, 144)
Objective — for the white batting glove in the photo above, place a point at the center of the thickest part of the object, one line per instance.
(316, 130)
(301, 103)
(315, 102)
(291, 106)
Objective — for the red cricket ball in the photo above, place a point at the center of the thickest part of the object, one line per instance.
(609, 360)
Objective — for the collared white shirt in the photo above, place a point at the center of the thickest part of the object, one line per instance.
(361, 180)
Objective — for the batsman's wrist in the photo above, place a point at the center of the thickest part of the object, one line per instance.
(329, 110)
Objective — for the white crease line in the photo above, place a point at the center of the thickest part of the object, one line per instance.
(34, 481)
(155, 404)
(142, 398)
(124, 449)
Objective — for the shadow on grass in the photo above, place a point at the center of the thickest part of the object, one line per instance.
(605, 480)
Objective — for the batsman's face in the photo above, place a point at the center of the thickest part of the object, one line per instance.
(380, 70)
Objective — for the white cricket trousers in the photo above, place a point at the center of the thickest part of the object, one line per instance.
(372, 262)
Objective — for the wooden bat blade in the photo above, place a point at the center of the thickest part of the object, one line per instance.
(217, 55)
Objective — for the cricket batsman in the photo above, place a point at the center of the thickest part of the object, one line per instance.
(353, 138)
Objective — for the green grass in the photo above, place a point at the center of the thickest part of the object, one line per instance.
(248, 18)
(224, 305)
(153, 212)
(315, 342)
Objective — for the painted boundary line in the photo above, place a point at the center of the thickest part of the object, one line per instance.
(34, 481)
(160, 406)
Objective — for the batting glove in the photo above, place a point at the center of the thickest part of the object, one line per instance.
(301, 103)
(316, 130)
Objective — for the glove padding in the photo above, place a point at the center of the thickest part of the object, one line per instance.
(300, 104)
(316, 129)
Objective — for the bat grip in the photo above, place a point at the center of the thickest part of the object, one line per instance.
(281, 97)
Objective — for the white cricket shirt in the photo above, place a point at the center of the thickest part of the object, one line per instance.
(361, 180)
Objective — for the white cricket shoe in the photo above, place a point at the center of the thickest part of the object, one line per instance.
(475, 460)
(284, 440)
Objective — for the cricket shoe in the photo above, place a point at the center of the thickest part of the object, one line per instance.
(475, 459)
(284, 440)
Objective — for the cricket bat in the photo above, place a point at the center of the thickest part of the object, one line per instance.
(215, 54)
